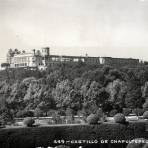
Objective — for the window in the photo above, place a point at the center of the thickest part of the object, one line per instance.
(75, 60)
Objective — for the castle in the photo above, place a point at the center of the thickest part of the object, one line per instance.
(42, 58)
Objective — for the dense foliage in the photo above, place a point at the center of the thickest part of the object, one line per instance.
(92, 119)
(145, 115)
(79, 88)
(119, 118)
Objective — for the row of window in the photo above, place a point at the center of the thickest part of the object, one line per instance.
(66, 59)
(17, 60)
(25, 64)
(21, 65)
(23, 59)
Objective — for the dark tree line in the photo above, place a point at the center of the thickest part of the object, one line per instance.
(76, 88)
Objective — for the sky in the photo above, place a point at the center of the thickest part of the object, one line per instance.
(116, 28)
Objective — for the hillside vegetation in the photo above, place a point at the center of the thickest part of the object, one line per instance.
(77, 89)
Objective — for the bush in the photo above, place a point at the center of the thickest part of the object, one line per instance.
(113, 112)
(6, 117)
(2, 124)
(51, 113)
(146, 145)
(126, 111)
(145, 106)
(29, 113)
(51, 121)
(24, 113)
(61, 112)
(38, 112)
(119, 118)
(92, 119)
(69, 119)
(28, 121)
(138, 111)
(137, 143)
(145, 115)
(79, 121)
(69, 112)
(82, 113)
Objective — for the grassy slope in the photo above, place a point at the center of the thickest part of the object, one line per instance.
(44, 136)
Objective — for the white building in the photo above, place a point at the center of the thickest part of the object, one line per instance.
(33, 59)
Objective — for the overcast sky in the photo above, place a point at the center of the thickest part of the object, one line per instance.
(117, 28)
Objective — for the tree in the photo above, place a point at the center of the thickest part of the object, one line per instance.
(16, 51)
(38, 112)
(91, 97)
(24, 113)
(134, 98)
(117, 90)
(77, 83)
(103, 96)
(145, 105)
(5, 65)
(43, 106)
(75, 99)
(145, 90)
(61, 94)
(5, 112)
(53, 78)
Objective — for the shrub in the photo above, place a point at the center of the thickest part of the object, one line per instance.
(51, 121)
(92, 119)
(69, 116)
(137, 143)
(29, 113)
(51, 113)
(145, 106)
(57, 118)
(119, 118)
(2, 124)
(6, 117)
(82, 113)
(38, 112)
(70, 119)
(145, 115)
(28, 121)
(146, 145)
(113, 112)
(79, 121)
(61, 112)
(28, 80)
(24, 113)
(69, 112)
(126, 111)
(138, 111)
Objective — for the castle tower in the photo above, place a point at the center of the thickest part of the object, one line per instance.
(45, 55)
(45, 51)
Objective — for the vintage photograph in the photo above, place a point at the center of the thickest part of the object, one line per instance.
(73, 73)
